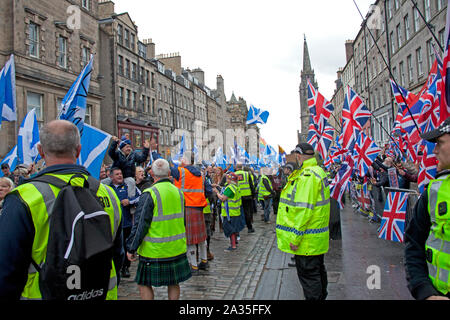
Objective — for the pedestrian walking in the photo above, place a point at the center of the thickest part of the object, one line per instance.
(302, 222)
(189, 179)
(231, 210)
(427, 240)
(159, 236)
(266, 193)
(24, 223)
(246, 190)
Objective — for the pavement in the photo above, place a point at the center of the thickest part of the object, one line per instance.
(257, 270)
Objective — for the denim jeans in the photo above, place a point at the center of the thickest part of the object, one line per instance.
(267, 205)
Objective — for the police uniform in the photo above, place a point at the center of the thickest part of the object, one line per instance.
(302, 220)
(427, 236)
(245, 185)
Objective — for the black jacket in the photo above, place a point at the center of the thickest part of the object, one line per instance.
(416, 235)
(17, 235)
(127, 163)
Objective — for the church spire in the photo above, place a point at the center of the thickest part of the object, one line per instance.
(306, 59)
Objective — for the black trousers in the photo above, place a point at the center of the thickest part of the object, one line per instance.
(313, 276)
(247, 205)
(126, 233)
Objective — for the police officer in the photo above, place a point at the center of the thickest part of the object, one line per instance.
(302, 222)
(23, 224)
(427, 237)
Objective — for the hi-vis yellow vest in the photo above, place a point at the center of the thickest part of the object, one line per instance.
(262, 191)
(244, 183)
(304, 211)
(166, 236)
(39, 198)
(233, 204)
(438, 243)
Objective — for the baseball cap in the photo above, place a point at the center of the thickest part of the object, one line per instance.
(232, 176)
(304, 148)
(436, 133)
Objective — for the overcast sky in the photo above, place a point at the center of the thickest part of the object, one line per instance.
(257, 47)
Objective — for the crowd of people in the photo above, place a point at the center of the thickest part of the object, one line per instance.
(165, 214)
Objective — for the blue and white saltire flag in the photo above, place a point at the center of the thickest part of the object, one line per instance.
(28, 139)
(10, 159)
(94, 144)
(195, 152)
(256, 115)
(8, 111)
(73, 106)
(177, 157)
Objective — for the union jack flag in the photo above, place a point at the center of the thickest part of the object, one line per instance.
(366, 151)
(340, 181)
(325, 141)
(319, 107)
(445, 101)
(313, 133)
(393, 221)
(355, 116)
(428, 165)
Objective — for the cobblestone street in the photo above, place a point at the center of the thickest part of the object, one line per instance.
(231, 275)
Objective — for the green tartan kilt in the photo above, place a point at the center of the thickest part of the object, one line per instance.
(163, 273)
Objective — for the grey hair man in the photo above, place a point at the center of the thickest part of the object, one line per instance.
(159, 236)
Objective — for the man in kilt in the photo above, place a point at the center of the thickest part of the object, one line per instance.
(189, 179)
(159, 236)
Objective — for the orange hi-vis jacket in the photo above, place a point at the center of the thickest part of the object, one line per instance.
(192, 187)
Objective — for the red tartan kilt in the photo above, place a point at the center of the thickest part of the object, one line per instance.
(195, 226)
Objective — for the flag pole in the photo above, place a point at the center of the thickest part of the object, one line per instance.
(389, 70)
(427, 24)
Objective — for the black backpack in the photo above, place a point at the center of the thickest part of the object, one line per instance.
(80, 244)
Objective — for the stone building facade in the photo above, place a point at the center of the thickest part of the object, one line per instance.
(395, 28)
(132, 91)
(52, 41)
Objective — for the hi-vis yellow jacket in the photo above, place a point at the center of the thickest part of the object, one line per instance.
(304, 211)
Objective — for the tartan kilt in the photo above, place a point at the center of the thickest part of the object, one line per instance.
(195, 226)
(163, 273)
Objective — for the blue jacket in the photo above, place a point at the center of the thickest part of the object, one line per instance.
(127, 163)
(17, 235)
(122, 194)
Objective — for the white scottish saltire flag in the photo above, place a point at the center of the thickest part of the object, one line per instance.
(28, 139)
(10, 159)
(73, 106)
(94, 144)
(256, 115)
(8, 111)
(177, 157)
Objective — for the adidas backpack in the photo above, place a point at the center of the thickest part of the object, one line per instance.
(80, 244)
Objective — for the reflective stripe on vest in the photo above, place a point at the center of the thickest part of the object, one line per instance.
(167, 227)
(438, 242)
(244, 185)
(234, 204)
(183, 183)
(40, 197)
(262, 191)
(192, 187)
